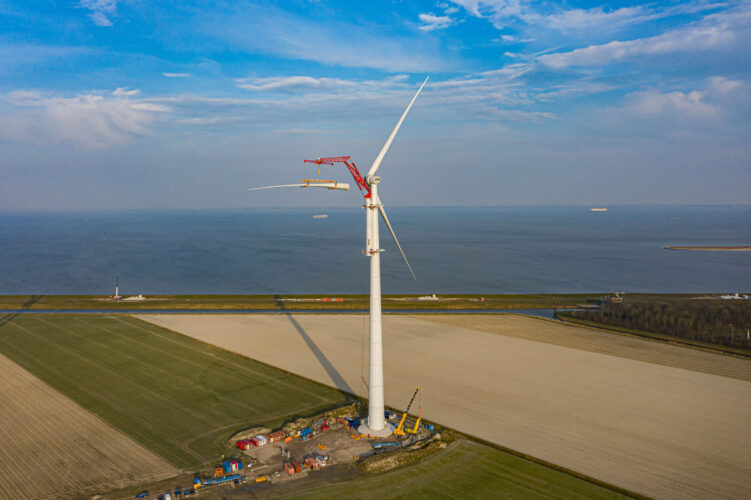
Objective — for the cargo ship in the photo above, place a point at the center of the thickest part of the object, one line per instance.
(598, 209)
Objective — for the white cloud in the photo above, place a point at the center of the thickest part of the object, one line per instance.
(595, 17)
(432, 22)
(176, 75)
(310, 84)
(722, 85)
(652, 102)
(93, 121)
(502, 13)
(124, 92)
(693, 38)
(340, 43)
(101, 10)
(715, 106)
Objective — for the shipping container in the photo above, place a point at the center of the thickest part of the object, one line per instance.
(289, 469)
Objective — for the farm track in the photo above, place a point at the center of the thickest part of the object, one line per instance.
(53, 448)
(622, 346)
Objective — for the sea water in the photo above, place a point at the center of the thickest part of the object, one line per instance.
(452, 250)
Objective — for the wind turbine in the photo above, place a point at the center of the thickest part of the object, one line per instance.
(376, 424)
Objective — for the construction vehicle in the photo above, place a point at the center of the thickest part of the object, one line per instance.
(417, 423)
(399, 431)
(325, 425)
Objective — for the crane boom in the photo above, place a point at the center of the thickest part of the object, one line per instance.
(399, 431)
(352, 170)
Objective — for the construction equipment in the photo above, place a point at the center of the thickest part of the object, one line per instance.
(325, 425)
(417, 423)
(319, 162)
(399, 431)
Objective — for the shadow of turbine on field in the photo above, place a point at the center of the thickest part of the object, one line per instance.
(7, 318)
(332, 372)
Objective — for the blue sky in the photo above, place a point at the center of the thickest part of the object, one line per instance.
(138, 104)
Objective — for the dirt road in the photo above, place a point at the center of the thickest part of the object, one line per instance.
(628, 411)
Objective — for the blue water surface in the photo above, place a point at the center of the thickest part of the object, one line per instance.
(452, 250)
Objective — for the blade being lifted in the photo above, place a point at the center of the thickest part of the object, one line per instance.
(341, 186)
(388, 224)
(377, 163)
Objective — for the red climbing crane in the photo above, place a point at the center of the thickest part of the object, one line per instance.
(352, 170)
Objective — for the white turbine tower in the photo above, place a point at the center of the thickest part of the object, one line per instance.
(376, 424)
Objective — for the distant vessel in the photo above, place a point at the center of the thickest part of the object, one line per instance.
(598, 209)
(320, 216)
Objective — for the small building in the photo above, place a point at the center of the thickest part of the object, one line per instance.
(244, 444)
(262, 440)
(277, 436)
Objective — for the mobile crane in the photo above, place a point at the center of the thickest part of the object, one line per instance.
(400, 431)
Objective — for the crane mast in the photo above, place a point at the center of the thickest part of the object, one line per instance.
(399, 431)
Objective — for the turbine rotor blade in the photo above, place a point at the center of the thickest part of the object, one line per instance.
(391, 230)
(340, 186)
(278, 186)
(377, 163)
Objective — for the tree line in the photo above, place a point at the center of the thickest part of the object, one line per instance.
(722, 322)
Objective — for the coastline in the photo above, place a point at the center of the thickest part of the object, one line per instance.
(711, 248)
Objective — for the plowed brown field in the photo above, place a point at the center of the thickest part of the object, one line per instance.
(660, 420)
(52, 448)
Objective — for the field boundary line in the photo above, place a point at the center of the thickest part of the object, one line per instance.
(239, 402)
(676, 341)
(138, 323)
(354, 397)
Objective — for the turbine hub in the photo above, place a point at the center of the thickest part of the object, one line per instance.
(373, 179)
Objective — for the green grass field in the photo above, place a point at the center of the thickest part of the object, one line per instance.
(199, 302)
(176, 396)
(466, 470)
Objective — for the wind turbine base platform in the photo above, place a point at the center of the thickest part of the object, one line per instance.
(388, 430)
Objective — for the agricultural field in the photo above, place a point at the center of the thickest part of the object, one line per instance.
(51, 447)
(177, 397)
(660, 420)
(466, 469)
